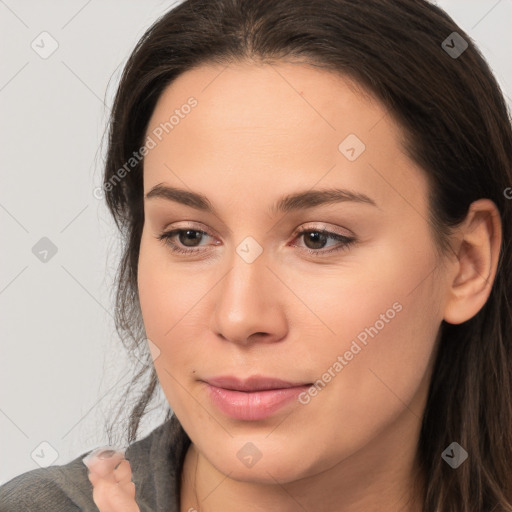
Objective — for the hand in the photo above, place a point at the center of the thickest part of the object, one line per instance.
(111, 477)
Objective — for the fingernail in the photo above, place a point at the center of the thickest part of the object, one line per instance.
(104, 452)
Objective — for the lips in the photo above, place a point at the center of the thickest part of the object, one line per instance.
(254, 398)
(253, 383)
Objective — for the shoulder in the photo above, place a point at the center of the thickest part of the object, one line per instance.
(63, 488)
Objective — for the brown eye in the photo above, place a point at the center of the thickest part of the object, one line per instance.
(188, 240)
(316, 239)
(189, 236)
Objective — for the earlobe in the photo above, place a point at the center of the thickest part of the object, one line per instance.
(476, 262)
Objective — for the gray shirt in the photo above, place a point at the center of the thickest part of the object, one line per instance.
(156, 463)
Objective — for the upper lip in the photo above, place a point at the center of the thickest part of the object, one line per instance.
(253, 383)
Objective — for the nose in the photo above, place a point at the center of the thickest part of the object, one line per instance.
(248, 305)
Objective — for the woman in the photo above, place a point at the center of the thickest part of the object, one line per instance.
(315, 198)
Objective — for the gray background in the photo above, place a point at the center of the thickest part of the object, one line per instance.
(62, 368)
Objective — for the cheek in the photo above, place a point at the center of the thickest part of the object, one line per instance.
(170, 302)
(386, 323)
(159, 289)
(387, 376)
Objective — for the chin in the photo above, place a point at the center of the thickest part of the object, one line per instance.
(270, 466)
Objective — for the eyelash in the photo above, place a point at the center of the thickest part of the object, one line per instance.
(165, 238)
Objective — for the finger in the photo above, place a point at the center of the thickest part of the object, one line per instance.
(123, 472)
(101, 463)
(110, 497)
(129, 489)
(102, 470)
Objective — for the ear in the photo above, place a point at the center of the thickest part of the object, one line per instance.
(474, 269)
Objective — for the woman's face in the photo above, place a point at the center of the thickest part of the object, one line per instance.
(348, 317)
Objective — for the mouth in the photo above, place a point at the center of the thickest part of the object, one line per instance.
(253, 398)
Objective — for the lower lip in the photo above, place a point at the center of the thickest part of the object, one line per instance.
(252, 406)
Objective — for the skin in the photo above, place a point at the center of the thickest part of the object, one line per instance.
(260, 132)
(113, 490)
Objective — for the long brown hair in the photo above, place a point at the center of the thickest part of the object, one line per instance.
(458, 130)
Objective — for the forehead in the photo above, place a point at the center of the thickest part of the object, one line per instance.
(255, 122)
(270, 97)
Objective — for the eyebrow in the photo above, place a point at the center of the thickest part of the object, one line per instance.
(290, 202)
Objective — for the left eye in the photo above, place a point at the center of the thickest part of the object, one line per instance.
(317, 237)
(313, 238)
